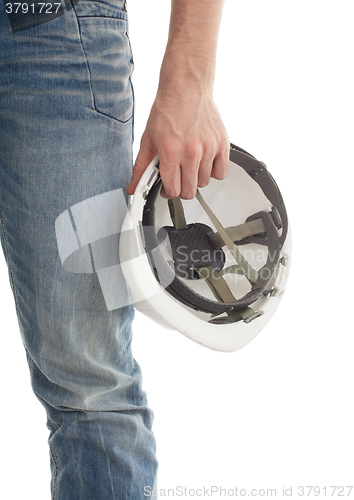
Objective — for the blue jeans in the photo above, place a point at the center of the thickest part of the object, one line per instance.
(66, 131)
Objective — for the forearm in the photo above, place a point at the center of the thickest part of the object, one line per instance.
(191, 48)
(184, 126)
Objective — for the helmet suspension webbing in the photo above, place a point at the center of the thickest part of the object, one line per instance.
(223, 237)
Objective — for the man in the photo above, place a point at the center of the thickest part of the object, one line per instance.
(66, 137)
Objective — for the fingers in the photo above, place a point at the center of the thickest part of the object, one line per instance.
(210, 160)
(144, 158)
(192, 146)
(179, 181)
(179, 165)
(171, 180)
(220, 165)
(205, 169)
(184, 170)
(181, 174)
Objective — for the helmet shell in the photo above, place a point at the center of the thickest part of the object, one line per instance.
(233, 200)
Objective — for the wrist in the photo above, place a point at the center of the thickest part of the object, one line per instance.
(184, 72)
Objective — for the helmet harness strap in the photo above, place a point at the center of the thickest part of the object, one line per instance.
(212, 276)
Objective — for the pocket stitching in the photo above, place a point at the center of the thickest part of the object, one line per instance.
(93, 102)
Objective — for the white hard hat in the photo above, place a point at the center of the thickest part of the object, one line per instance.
(215, 267)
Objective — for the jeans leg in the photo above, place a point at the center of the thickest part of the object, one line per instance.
(66, 113)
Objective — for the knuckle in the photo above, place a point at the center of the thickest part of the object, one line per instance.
(225, 142)
(137, 168)
(192, 150)
(219, 171)
(211, 146)
(202, 182)
(220, 174)
(171, 192)
(170, 152)
(138, 162)
(226, 149)
(204, 176)
(187, 196)
(144, 139)
(188, 192)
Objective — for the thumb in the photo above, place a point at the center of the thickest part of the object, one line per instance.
(144, 158)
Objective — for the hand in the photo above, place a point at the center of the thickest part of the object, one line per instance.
(186, 130)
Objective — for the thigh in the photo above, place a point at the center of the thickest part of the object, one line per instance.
(65, 160)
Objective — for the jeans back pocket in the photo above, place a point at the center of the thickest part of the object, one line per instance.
(110, 65)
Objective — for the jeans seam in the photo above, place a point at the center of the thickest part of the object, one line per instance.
(29, 361)
(101, 17)
(85, 57)
(56, 471)
(93, 102)
(129, 356)
(8, 260)
(131, 84)
(55, 460)
(112, 117)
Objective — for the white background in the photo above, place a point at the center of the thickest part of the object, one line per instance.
(280, 411)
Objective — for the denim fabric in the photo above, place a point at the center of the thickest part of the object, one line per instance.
(66, 113)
